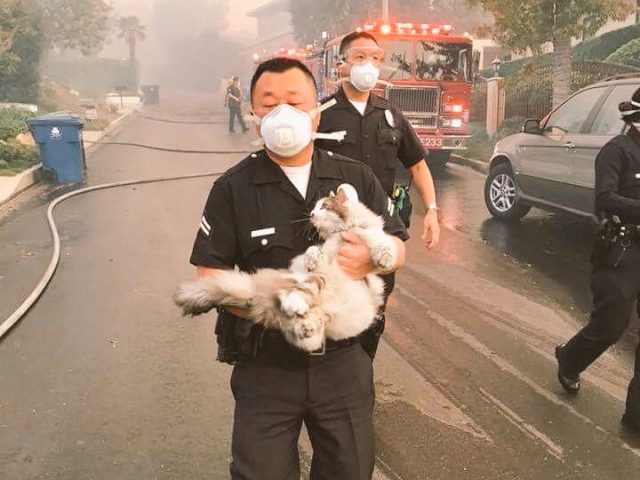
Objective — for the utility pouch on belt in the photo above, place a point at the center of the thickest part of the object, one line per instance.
(370, 338)
(402, 202)
(247, 336)
(225, 335)
(238, 338)
(612, 242)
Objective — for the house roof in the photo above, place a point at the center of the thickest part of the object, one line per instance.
(270, 7)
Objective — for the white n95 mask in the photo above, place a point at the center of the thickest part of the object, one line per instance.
(364, 76)
(287, 130)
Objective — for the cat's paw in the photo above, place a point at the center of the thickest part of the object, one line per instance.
(293, 304)
(306, 328)
(312, 258)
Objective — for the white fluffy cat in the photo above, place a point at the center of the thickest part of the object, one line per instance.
(314, 299)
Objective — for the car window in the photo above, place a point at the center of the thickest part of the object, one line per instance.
(570, 116)
(609, 120)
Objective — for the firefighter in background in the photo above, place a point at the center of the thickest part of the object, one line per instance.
(233, 100)
(615, 280)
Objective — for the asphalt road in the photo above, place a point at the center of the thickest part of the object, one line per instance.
(102, 379)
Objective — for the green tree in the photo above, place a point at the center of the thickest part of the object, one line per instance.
(130, 29)
(75, 24)
(20, 51)
(530, 24)
(14, 20)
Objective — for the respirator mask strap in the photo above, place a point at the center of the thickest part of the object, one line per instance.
(322, 107)
(337, 136)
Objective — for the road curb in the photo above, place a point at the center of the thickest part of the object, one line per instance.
(11, 187)
(482, 167)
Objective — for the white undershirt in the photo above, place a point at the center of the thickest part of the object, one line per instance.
(299, 176)
(360, 106)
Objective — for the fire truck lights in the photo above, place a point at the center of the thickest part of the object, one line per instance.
(412, 28)
(451, 122)
(453, 108)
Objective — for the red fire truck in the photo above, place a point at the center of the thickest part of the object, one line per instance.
(429, 70)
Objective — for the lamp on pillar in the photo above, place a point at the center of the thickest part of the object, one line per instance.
(495, 99)
(496, 64)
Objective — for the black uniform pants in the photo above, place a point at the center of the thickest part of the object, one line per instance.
(235, 111)
(615, 292)
(332, 394)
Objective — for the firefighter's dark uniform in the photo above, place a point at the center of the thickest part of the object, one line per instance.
(252, 219)
(615, 280)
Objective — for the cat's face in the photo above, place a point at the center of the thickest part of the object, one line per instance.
(330, 215)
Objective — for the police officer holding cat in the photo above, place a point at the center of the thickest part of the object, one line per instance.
(256, 216)
(615, 280)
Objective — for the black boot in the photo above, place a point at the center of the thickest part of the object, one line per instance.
(571, 383)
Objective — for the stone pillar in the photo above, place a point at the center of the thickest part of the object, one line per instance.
(495, 105)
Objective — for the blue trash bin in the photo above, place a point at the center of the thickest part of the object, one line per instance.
(59, 136)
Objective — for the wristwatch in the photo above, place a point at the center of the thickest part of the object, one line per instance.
(432, 206)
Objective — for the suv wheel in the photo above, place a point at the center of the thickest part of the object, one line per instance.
(501, 195)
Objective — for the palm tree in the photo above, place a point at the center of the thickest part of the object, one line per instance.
(132, 32)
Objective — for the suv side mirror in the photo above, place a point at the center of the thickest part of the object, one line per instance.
(532, 126)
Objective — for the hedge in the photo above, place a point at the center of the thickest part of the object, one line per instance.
(628, 54)
(15, 158)
(594, 49)
(599, 48)
(12, 122)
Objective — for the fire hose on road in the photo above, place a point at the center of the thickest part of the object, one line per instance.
(37, 292)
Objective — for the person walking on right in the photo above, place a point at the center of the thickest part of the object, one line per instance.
(615, 279)
(234, 102)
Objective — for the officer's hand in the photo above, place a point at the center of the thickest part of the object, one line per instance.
(431, 229)
(354, 256)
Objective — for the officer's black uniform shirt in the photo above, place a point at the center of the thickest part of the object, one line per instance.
(255, 217)
(618, 178)
(372, 138)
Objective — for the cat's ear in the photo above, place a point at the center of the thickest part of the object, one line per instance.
(341, 196)
(348, 191)
(332, 194)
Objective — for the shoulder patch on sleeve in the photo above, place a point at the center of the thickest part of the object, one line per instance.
(205, 226)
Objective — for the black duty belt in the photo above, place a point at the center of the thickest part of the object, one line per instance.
(273, 340)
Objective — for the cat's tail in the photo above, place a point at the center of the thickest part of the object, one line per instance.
(225, 288)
